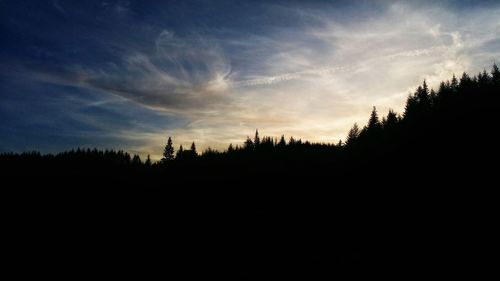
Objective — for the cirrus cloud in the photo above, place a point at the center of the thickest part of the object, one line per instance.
(306, 69)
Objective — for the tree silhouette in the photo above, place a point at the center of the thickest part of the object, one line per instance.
(495, 75)
(179, 153)
(454, 83)
(168, 152)
(483, 78)
(256, 140)
(248, 145)
(424, 98)
(193, 151)
(353, 134)
(136, 160)
(282, 142)
(411, 107)
(373, 122)
(465, 81)
(391, 120)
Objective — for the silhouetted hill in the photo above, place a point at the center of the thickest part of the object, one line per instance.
(412, 193)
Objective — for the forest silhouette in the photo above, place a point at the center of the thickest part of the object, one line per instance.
(438, 125)
(410, 192)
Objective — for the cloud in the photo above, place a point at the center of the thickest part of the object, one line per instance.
(183, 75)
(59, 8)
(119, 9)
(377, 61)
(292, 76)
(312, 78)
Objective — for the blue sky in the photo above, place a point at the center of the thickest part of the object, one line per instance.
(127, 74)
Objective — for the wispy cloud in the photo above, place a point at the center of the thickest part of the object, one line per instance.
(59, 8)
(293, 75)
(312, 80)
(184, 74)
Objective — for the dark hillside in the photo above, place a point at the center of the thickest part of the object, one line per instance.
(405, 195)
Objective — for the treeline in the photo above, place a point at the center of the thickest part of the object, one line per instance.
(251, 147)
(449, 108)
(76, 157)
(459, 106)
(412, 193)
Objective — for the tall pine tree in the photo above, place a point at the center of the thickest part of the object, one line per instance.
(193, 150)
(353, 135)
(495, 75)
(168, 152)
(256, 140)
(148, 162)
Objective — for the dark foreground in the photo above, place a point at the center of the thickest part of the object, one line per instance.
(411, 197)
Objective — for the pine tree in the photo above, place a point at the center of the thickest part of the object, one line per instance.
(136, 160)
(483, 78)
(373, 122)
(410, 107)
(495, 75)
(148, 161)
(168, 153)
(193, 150)
(432, 97)
(209, 152)
(248, 145)
(391, 121)
(230, 148)
(179, 153)
(465, 81)
(353, 135)
(256, 140)
(422, 96)
(454, 83)
(442, 87)
(282, 142)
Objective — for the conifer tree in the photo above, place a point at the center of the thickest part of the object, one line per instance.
(282, 141)
(373, 122)
(248, 145)
(353, 135)
(148, 161)
(432, 96)
(495, 75)
(136, 160)
(179, 153)
(391, 120)
(256, 140)
(410, 107)
(483, 78)
(193, 149)
(423, 93)
(465, 81)
(168, 153)
(454, 83)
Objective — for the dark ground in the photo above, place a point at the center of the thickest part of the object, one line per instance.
(417, 198)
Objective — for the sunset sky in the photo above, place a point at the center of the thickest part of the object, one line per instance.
(128, 74)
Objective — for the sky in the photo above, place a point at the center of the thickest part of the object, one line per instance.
(117, 74)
